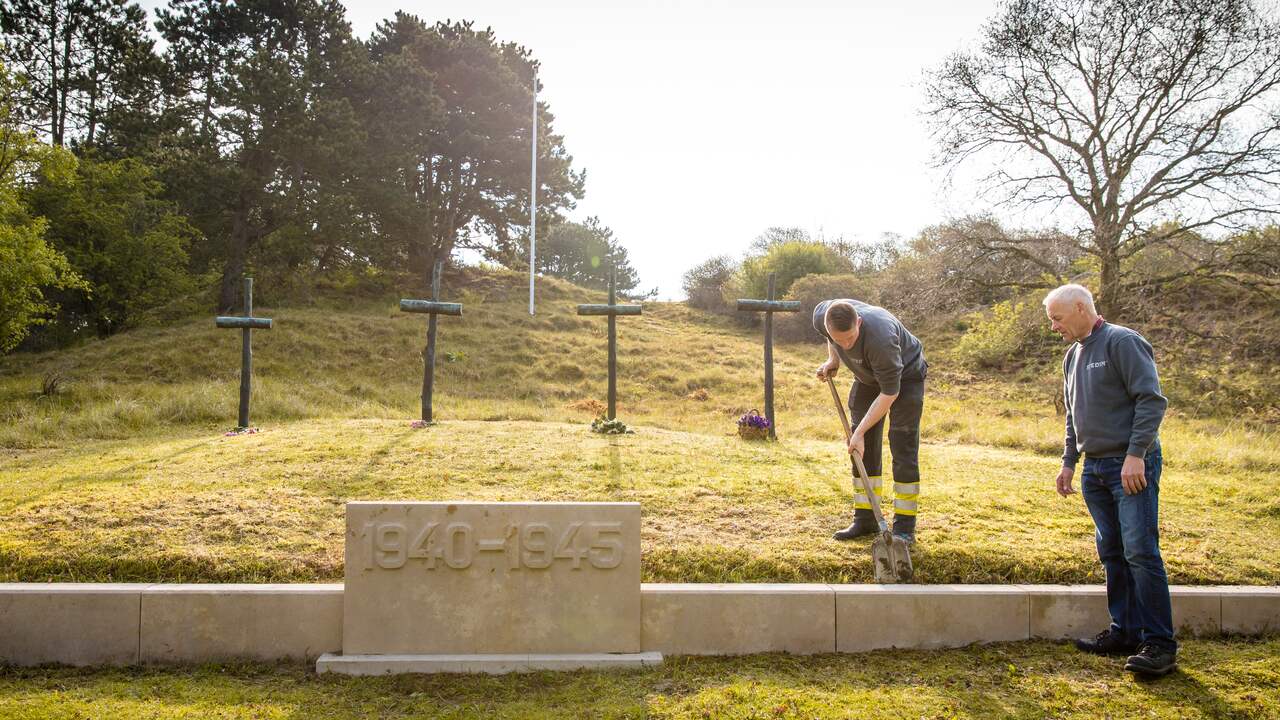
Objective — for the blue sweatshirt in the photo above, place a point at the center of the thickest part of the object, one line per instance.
(1112, 393)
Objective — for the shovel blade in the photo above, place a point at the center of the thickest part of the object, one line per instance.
(891, 559)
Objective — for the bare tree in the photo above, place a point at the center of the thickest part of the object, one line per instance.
(992, 262)
(1153, 117)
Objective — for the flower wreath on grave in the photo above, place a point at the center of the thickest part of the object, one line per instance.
(604, 426)
(753, 426)
(242, 431)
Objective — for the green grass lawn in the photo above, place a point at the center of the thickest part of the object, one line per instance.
(124, 475)
(1216, 679)
(269, 507)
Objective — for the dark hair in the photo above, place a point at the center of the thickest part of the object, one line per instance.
(841, 316)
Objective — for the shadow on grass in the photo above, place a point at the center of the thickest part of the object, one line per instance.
(357, 481)
(1185, 691)
(117, 474)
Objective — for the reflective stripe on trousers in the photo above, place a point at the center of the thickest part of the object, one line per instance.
(860, 499)
(905, 497)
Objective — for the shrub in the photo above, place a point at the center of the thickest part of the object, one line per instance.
(1007, 335)
(790, 261)
(813, 289)
(704, 283)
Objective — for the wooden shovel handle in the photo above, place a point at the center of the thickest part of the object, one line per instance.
(844, 419)
(857, 459)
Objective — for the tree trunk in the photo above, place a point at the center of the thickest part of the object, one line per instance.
(68, 31)
(1106, 238)
(237, 257)
(94, 89)
(418, 254)
(54, 137)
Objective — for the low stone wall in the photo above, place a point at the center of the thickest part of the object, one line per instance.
(125, 624)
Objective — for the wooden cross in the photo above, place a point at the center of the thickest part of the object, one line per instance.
(432, 307)
(769, 306)
(247, 325)
(612, 310)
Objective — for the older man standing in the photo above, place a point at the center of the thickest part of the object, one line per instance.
(1114, 409)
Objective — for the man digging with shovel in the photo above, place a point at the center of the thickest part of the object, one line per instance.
(888, 367)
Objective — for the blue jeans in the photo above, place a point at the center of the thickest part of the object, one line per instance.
(1128, 536)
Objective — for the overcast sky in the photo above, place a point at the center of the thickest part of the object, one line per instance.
(701, 124)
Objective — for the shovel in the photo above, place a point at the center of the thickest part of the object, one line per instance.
(890, 556)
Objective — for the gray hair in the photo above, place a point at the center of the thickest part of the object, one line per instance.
(1072, 293)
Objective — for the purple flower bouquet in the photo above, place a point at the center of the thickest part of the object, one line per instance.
(753, 426)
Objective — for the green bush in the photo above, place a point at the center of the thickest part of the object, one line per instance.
(1007, 336)
(790, 261)
(117, 232)
(813, 289)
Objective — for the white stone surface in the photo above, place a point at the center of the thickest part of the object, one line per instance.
(736, 619)
(122, 624)
(198, 623)
(870, 617)
(1075, 611)
(1066, 611)
(1250, 610)
(1197, 611)
(427, 578)
(488, 664)
(69, 623)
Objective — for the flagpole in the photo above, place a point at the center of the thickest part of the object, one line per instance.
(533, 192)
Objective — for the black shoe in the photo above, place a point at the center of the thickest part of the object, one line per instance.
(906, 537)
(1106, 643)
(857, 529)
(1151, 660)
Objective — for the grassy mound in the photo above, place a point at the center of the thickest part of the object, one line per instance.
(124, 473)
(269, 507)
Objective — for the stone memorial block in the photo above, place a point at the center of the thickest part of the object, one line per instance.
(441, 578)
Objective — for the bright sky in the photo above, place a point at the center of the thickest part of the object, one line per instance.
(702, 123)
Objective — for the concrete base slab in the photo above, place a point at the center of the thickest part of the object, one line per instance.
(738, 619)
(871, 617)
(1066, 611)
(1197, 611)
(199, 623)
(1251, 610)
(69, 623)
(1077, 611)
(487, 664)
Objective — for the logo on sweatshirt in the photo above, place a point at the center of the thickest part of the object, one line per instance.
(1092, 365)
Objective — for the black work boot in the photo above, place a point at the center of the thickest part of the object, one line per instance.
(1152, 660)
(904, 526)
(864, 523)
(1106, 642)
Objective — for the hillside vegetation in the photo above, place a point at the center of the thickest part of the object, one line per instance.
(123, 473)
